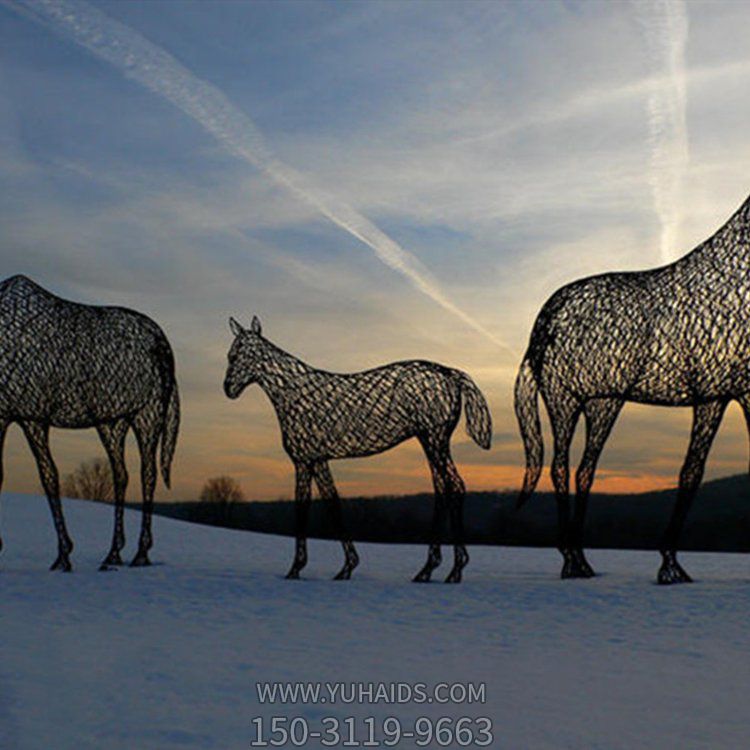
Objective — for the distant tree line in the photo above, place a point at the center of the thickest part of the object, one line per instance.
(92, 480)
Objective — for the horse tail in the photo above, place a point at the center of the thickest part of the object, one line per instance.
(527, 412)
(169, 432)
(478, 418)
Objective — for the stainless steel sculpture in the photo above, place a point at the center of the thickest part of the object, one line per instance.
(64, 364)
(325, 415)
(678, 335)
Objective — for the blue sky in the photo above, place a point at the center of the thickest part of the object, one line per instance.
(507, 147)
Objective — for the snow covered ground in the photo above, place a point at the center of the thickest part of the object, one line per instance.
(168, 657)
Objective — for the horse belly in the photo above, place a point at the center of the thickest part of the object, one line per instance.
(717, 367)
(114, 395)
(67, 398)
(87, 410)
(366, 441)
(587, 373)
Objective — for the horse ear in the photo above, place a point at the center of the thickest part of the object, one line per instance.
(255, 325)
(236, 328)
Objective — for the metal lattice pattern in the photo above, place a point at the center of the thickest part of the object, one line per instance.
(326, 415)
(64, 364)
(678, 335)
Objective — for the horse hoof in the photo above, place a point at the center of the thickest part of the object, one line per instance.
(112, 560)
(63, 564)
(585, 572)
(343, 575)
(422, 577)
(454, 577)
(140, 560)
(671, 574)
(292, 575)
(104, 567)
(569, 573)
(576, 566)
(671, 571)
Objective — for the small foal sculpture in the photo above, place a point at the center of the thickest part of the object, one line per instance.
(325, 415)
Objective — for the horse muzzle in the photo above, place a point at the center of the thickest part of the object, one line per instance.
(232, 389)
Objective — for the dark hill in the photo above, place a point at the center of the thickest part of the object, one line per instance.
(718, 521)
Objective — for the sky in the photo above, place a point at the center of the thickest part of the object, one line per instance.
(377, 181)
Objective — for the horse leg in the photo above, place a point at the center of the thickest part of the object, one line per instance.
(3, 430)
(38, 438)
(563, 414)
(327, 489)
(147, 428)
(600, 415)
(113, 439)
(456, 494)
(706, 420)
(303, 478)
(434, 556)
(744, 402)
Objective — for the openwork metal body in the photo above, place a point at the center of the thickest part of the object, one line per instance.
(678, 335)
(68, 365)
(326, 415)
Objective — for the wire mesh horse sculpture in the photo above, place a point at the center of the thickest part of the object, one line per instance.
(326, 415)
(64, 364)
(678, 335)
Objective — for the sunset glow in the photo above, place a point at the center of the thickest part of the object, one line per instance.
(378, 182)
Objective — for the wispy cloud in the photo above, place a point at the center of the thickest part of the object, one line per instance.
(158, 71)
(517, 163)
(665, 24)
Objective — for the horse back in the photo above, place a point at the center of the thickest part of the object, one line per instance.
(348, 415)
(74, 365)
(676, 335)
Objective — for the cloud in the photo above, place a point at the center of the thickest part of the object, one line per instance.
(510, 166)
(158, 71)
(665, 23)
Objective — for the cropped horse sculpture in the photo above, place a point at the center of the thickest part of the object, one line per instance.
(64, 364)
(325, 415)
(678, 335)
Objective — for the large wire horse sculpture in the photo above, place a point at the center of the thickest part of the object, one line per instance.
(64, 364)
(325, 415)
(678, 335)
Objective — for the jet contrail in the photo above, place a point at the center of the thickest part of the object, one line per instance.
(158, 71)
(665, 24)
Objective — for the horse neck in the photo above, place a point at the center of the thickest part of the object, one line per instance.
(281, 373)
(729, 247)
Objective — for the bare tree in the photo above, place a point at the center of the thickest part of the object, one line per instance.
(222, 493)
(92, 480)
(222, 490)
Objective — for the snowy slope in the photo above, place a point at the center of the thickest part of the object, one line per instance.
(168, 657)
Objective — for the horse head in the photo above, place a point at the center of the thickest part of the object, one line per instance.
(245, 357)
